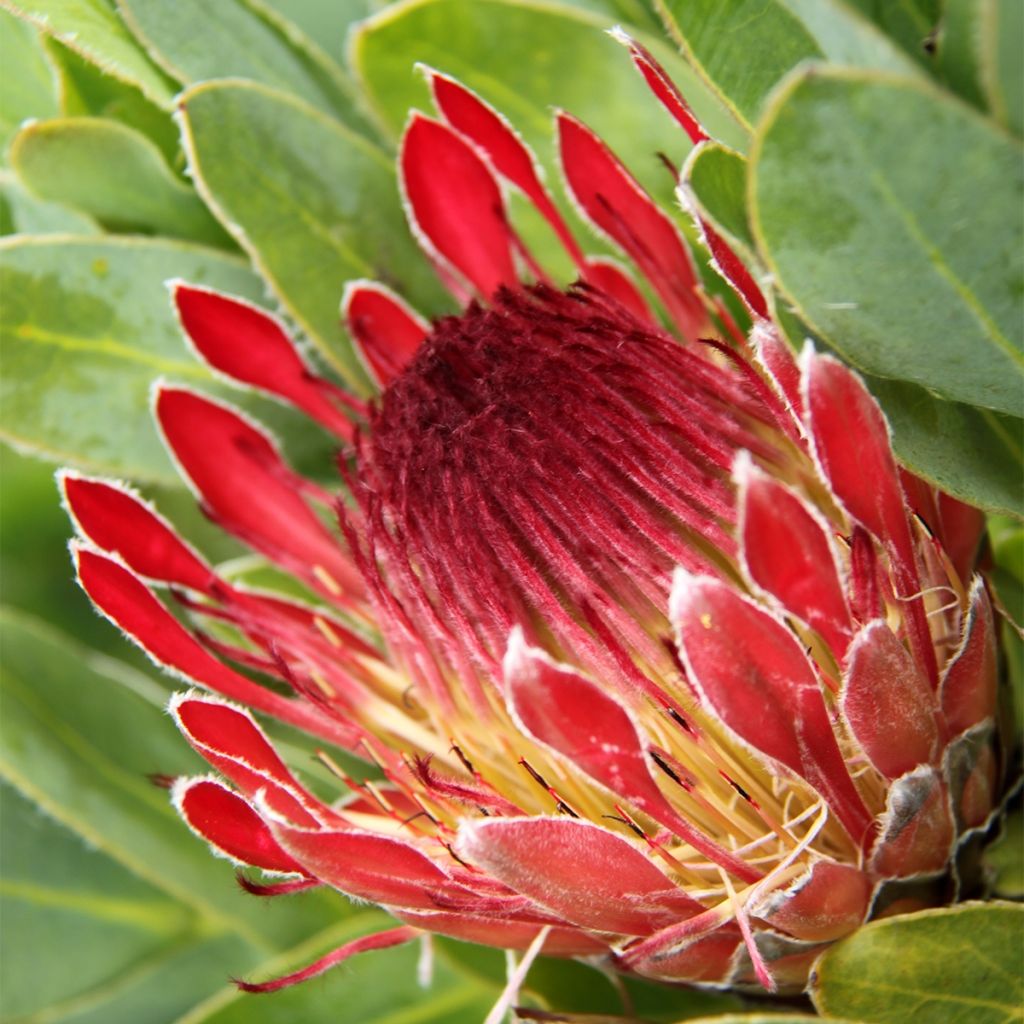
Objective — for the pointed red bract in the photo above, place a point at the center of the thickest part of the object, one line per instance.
(248, 489)
(583, 873)
(851, 442)
(456, 204)
(615, 203)
(777, 358)
(379, 940)
(786, 552)
(830, 901)
(733, 270)
(229, 824)
(657, 78)
(970, 681)
(250, 346)
(707, 957)
(504, 933)
(128, 603)
(573, 716)
(764, 689)
(888, 704)
(385, 329)
(117, 521)
(366, 866)
(607, 275)
(917, 829)
(469, 115)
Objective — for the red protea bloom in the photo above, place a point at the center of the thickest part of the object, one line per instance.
(661, 658)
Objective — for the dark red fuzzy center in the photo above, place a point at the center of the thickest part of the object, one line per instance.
(546, 461)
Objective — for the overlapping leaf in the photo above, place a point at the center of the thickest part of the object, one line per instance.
(864, 205)
(773, 36)
(239, 39)
(954, 966)
(312, 203)
(87, 326)
(112, 173)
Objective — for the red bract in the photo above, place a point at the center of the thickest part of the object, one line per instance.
(654, 659)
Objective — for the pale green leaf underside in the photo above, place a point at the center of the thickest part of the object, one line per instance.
(93, 29)
(235, 42)
(112, 173)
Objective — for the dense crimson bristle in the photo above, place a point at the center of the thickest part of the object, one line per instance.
(550, 459)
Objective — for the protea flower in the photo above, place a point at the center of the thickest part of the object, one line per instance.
(661, 658)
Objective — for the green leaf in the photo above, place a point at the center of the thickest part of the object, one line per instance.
(1005, 858)
(764, 1018)
(1000, 31)
(311, 202)
(236, 41)
(92, 29)
(127, 951)
(957, 53)
(864, 203)
(911, 23)
(112, 173)
(743, 48)
(955, 966)
(87, 326)
(27, 87)
(525, 59)
(372, 988)
(81, 732)
(86, 91)
(25, 214)
(975, 454)
(717, 179)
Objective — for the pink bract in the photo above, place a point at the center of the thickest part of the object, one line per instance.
(661, 658)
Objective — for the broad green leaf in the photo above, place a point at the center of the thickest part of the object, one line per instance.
(326, 21)
(976, 454)
(27, 86)
(743, 48)
(372, 988)
(978, 55)
(22, 213)
(1000, 33)
(911, 23)
(717, 179)
(955, 966)
(87, 91)
(93, 29)
(126, 950)
(112, 173)
(526, 59)
(87, 326)
(765, 1018)
(864, 203)
(235, 41)
(957, 52)
(81, 732)
(1005, 858)
(311, 202)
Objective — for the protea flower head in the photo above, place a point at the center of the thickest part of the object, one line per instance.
(662, 660)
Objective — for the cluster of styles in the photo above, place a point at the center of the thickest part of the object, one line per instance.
(659, 657)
